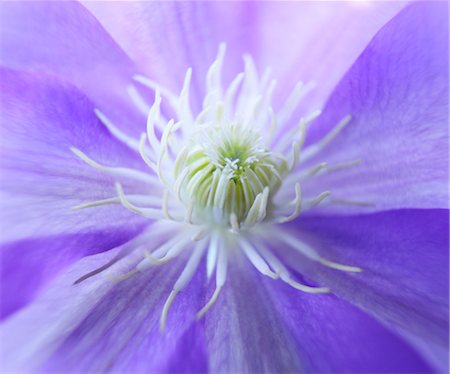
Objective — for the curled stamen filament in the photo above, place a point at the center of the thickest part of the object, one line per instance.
(221, 276)
(280, 269)
(115, 171)
(297, 203)
(182, 281)
(257, 261)
(310, 253)
(146, 212)
(314, 149)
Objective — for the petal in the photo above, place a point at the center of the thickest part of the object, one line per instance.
(73, 46)
(244, 332)
(404, 257)
(192, 34)
(105, 325)
(397, 95)
(28, 265)
(300, 32)
(261, 325)
(316, 41)
(41, 180)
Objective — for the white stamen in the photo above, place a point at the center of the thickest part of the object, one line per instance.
(115, 171)
(298, 93)
(166, 308)
(224, 167)
(156, 87)
(298, 205)
(212, 255)
(310, 253)
(146, 212)
(280, 269)
(135, 199)
(137, 99)
(182, 281)
(316, 148)
(256, 259)
(317, 200)
(152, 119)
(143, 152)
(114, 131)
(221, 276)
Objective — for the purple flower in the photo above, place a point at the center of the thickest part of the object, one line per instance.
(161, 218)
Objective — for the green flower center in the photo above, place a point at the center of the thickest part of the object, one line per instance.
(226, 170)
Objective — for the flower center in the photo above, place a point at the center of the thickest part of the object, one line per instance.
(233, 167)
(224, 170)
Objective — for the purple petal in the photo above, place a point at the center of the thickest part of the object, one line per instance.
(397, 94)
(404, 257)
(102, 325)
(42, 180)
(73, 46)
(261, 325)
(166, 38)
(292, 37)
(316, 41)
(244, 331)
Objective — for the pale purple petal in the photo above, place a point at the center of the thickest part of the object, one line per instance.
(105, 325)
(404, 257)
(41, 180)
(245, 332)
(64, 39)
(260, 325)
(397, 95)
(293, 38)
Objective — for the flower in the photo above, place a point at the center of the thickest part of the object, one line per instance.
(143, 226)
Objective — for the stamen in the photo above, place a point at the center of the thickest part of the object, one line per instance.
(225, 168)
(317, 200)
(136, 199)
(212, 255)
(152, 119)
(257, 211)
(182, 281)
(165, 206)
(173, 99)
(166, 308)
(143, 153)
(115, 171)
(137, 99)
(298, 93)
(298, 205)
(115, 132)
(221, 276)
(334, 265)
(295, 155)
(146, 212)
(314, 149)
(122, 277)
(234, 223)
(310, 253)
(184, 109)
(164, 151)
(280, 269)
(301, 129)
(168, 252)
(256, 259)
